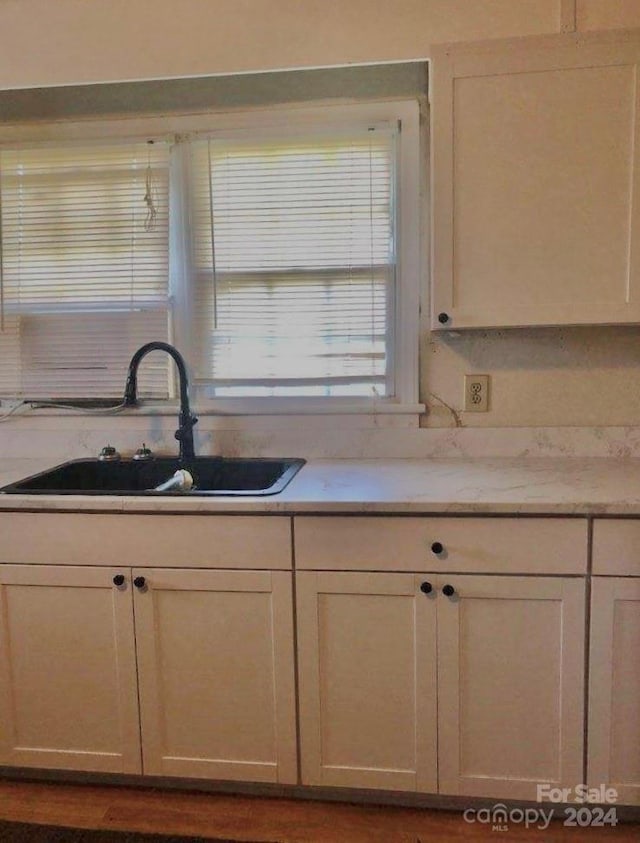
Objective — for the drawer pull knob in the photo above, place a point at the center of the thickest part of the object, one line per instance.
(118, 579)
(437, 548)
(443, 318)
(448, 590)
(426, 588)
(139, 582)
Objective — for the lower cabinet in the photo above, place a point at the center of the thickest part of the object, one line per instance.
(510, 684)
(215, 667)
(458, 684)
(68, 689)
(367, 680)
(209, 652)
(614, 694)
(465, 683)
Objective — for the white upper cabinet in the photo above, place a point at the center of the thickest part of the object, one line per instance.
(536, 212)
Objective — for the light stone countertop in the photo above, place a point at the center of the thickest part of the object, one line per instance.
(532, 486)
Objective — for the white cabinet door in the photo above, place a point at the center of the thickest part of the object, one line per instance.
(614, 687)
(536, 217)
(510, 684)
(68, 691)
(367, 649)
(216, 674)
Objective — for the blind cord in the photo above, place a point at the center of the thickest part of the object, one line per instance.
(371, 269)
(1, 261)
(149, 196)
(214, 269)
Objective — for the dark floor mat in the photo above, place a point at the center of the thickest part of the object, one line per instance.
(11, 832)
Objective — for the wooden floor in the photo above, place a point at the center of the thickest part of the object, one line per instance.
(262, 819)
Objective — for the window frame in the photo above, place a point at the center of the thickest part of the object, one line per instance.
(405, 334)
(404, 346)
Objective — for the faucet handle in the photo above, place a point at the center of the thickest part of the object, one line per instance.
(143, 453)
(108, 454)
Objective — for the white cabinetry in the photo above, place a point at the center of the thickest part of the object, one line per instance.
(510, 685)
(614, 692)
(536, 214)
(208, 653)
(435, 654)
(215, 666)
(614, 698)
(68, 697)
(367, 668)
(492, 665)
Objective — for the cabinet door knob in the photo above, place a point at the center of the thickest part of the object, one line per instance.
(426, 588)
(437, 547)
(118, 579)
(443, 318)
(448, 590)
(139, 582)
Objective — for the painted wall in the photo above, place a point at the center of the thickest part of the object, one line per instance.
(62, 42)
(585, 376)
(81, 41)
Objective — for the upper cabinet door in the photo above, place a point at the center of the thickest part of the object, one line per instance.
(536, 218)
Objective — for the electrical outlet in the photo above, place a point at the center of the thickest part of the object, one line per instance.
(476, 393)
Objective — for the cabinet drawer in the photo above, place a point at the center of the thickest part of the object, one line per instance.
(616, 547)
(474, 545)
(194, 541)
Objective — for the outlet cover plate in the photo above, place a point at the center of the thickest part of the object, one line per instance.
(476, 393)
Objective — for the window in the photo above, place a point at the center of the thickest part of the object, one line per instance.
(294, 264)
(84, 266)
(278, 250)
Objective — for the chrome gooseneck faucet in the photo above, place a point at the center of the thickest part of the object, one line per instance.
(184, 433)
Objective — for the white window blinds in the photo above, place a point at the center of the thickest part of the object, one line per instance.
(294, 264)
(84, 266)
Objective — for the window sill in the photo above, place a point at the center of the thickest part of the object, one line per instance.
(253, 407)
(304, 407)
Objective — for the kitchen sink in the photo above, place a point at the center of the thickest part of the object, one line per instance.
(212, 476)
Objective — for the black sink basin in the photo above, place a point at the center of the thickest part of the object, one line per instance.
(212, 476)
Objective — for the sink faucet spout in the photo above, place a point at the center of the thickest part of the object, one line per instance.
(184, 433)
